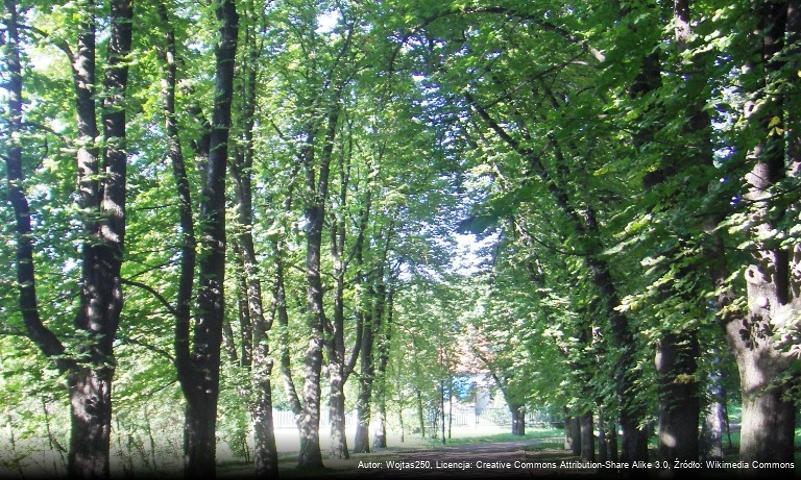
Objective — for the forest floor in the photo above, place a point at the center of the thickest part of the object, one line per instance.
(539, 454)
(477, 457)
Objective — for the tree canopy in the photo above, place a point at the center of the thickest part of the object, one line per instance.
(216, 211)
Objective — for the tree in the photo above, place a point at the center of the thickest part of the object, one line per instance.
(198, 365)
(592, 196)
(768, 415)
(90, 369)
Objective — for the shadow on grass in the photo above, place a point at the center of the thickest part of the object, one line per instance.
(549, 434)
(537, 445)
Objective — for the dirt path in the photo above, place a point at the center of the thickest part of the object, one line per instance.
(484, 460)
(485, 452)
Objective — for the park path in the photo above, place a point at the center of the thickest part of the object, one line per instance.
(473, 461)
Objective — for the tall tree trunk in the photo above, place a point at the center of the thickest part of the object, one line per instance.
(603, 451)
(310, 455)
(101, 287)
(280, 307)
(255, 347)
(336, 413)
(188, 243)
(420, 415)
(715, 414)
(372, 326)
(380, 437)
(44, 338)
(677, 351)
(199, 370)
(518, 419)
(442, 408)
(768, 422)
(243, 310)
(400, 422)
(768, 418)
(361, 443)
(435, 411)
(340, 367)
(567, 437)
(611, 441)
(634, 441)
(450, 408)
(337, 371)
(84, 80)
(265, 454)
(679, 404)
(385, 336)
(635, 438)
(90, 414)
(587, 437)
(573, 435)
(361, 439)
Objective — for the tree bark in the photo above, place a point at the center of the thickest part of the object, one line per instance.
(265, 453)
(400, 422)
(44, 338)
(372, 326)
(337, 368)
(255, 346)
(679, 404)
(336, 404)
(380, 438)
(450, 407)
(573, 435)
(245, 357)
(340, 367)
(186, 220)
(611, 442)
(420, 415)
(603, 451)
(634, 441)
(90, 427)
(101, 289)
(442, 409)
(310, 455)
(361, 443)
(715, 414)
(587, 437)
(101, 286)
(767, 429)
(677, 351)
(280, 307)
(768, 418)
(518, 419)
(199, 370)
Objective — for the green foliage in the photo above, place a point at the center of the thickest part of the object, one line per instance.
(513, 124)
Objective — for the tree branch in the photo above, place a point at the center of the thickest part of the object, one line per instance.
(153, 292)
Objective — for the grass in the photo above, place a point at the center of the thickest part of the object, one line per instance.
(553, 433)
(549, 447)
(546, 445)
(531, 434)
(288, 460)
(735, 440)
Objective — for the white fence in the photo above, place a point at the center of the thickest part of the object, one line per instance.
(463, 416)
(286, 419)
